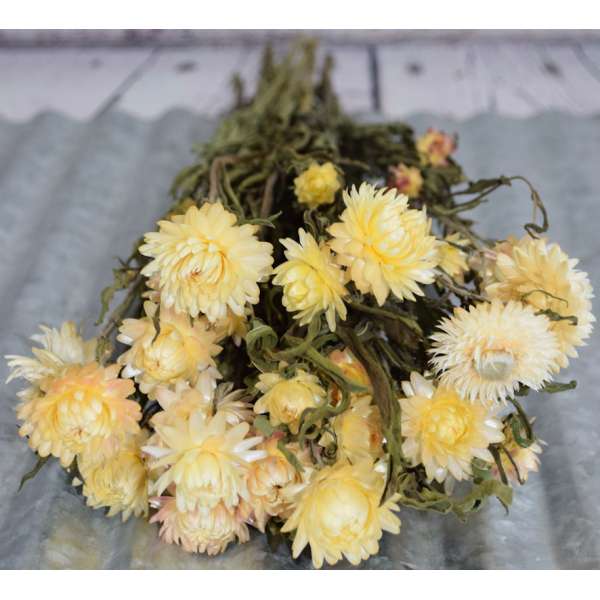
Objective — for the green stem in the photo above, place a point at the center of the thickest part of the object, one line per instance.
(523, 418)
(410, 322)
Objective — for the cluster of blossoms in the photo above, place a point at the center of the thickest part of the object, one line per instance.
(212, 461)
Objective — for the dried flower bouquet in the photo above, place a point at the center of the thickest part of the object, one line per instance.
(313, 338)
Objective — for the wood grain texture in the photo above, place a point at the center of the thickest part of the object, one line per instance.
(459, 77)
(518, 79)
(78, 82)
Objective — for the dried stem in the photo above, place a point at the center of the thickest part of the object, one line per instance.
(215, 170)
(118, 313)
(267, 200)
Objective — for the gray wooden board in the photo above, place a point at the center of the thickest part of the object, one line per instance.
(459, 77)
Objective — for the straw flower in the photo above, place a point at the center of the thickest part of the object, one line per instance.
(179, 350)
(434, 147)
(452, 259)
(205, 457)
(317, 185)
(234, 326)
(59, 349)
(485, 353)
(385, 245)
(204, 530)
(357, 431)
(80, 406)
(207, 263)
(443, 431)
(543, 276)
(311, 281)
(350, 366)
(286, 399)
(338, 513)
(117, 482)
(526, 460)
(407, 180)
(267, 478)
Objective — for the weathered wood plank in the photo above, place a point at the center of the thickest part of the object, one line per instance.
(196, 79)
(439, 78)
(77, 82)
(455, 78)
(200, 79)
(516, 79)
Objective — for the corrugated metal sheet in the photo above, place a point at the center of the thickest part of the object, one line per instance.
(74, 195)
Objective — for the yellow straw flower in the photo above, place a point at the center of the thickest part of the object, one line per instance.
(207, 263)
(435, 147)
(234, 326)
(286, 399)
(385, 245)
(117, 482)
(208, 530)
(526, 459)
(353, 370)
(59, 349)
(180, 350)
(485, 353)
(205, 457)
(267, 478)
(358, 433)
(184, 400)
(443, 431)
(180, 402)
(338, 513)
(407, 180)
(451, 259)
(350, 366)
(311, 281)
(80, 406)
(543, 276)
(317, 185)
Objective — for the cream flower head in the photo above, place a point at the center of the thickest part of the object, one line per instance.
(385, 245)
(350, 366)
(80, 406)
(205, 458)
(286, 399)
(317, 185)
(208, 530)
(234, 326)
(451, 258)
(407, 180)
(268, 477)
(434, 147)
(207, 263)
(338, 513)
(311, 281)
(184, 400)
(117, 482)
(526, 460)
(358, 432)
(543, 276)
(485, 353)
(443, 431)
(59, 349)
(180, 350)
(181, 402)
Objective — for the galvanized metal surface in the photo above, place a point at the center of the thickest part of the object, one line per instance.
(74, 195)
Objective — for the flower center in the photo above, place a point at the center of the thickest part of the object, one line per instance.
(344, 510)
(78, 413)
(447, 424)
(167, 357)
(494, 365)
(210, 265)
